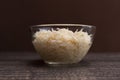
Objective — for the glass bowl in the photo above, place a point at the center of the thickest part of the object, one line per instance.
(62, 43)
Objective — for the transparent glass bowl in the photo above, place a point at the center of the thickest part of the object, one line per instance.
(62, 43)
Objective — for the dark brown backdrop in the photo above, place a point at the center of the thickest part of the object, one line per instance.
(17, 15)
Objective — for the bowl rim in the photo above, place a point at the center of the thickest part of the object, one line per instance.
(66, 25)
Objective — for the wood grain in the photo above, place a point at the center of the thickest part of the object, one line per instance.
(29, 67)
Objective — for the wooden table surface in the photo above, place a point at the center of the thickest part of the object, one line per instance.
(28, 66)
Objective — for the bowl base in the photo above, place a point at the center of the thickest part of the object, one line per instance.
(48, 62)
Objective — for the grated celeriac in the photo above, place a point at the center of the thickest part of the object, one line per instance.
(62, 45)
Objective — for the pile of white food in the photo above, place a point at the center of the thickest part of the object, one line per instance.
(62, 45)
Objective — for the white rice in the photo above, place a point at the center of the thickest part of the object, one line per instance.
(62, 45)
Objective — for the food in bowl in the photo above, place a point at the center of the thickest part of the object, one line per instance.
(62, 46)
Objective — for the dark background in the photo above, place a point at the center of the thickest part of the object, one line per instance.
(17, 15)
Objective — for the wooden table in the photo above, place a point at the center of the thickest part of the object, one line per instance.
(28, 66)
